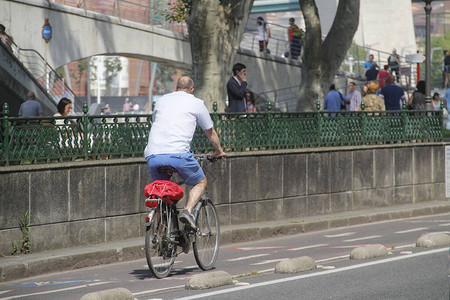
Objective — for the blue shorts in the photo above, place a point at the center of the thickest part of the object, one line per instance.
(188, 167)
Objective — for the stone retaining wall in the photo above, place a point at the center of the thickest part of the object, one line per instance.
(81, 203)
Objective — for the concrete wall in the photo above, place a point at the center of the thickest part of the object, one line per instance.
(82, 203)
(78, 34)
(15, 82)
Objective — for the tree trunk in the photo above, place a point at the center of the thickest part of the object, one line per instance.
(215, 32)
(322, 59)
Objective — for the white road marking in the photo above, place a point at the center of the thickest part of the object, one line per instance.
(448, 224)
(308, 247)
(406, 252)
(55, 291)
(258, 248)
(158, 290)
(344, 247)
(246, 257)
(340, 235)
(412, 230)
(333, 258)
(404, 246)
(377, 262)
(364, 238)
(4, 292)
(189, 267)
(266, 270)
(267, 262)
(241, 283)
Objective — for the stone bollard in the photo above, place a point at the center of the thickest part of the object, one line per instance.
(113, 294)
(369, 251)
(295, 265)
(208, 280)
(435, 239)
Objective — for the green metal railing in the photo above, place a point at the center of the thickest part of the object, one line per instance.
(54, 139)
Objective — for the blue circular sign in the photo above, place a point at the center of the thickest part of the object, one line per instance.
(47, 32)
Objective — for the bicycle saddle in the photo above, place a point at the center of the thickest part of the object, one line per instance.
(166, 169)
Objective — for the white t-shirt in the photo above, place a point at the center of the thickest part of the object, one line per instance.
(175, 118)
(262, 33)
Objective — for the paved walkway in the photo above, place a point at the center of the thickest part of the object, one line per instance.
(22, 266)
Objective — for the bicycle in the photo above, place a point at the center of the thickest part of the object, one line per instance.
(164, 235)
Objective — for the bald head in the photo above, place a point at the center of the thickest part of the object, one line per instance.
(186, 84)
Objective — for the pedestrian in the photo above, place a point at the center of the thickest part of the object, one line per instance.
(263, 34)
(394, 64)
(417, 101)
(250, 98)
(333, 100)
(372, 73)
(443, 69)
(354, 97)
(175, 119)
(236, 89)
(64, 108)
(436, 102)
(382, 76)
(31, 107)
(107, 109)
(126, 106)
(371, 101)
(295, 39)
(368, 64)
(447, 69)
(5, 38)
(136, 108)
(392, 94)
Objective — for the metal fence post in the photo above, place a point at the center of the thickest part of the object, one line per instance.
(270, 121)
(405, 119)
(85, 129)
(215, 119)
(319, 123)
(5, 125)
(363, 124)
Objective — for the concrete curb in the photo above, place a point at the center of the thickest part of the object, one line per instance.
(258, 233)
(42, 265)
(369, 251)
(295, 265)
(113, 294)
(435, 239)
(208, 280)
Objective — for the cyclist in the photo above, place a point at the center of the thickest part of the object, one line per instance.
(175, 118)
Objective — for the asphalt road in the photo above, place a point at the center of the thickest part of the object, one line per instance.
(408, 273)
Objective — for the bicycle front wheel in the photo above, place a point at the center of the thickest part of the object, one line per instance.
(159, 248)
(206, 244)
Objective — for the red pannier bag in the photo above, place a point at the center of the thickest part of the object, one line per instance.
(164, 189)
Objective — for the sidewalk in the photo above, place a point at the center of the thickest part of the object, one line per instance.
(22, 266)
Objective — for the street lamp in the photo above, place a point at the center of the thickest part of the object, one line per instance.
(428, 9)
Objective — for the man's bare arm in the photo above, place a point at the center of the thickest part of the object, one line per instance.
(213, 138)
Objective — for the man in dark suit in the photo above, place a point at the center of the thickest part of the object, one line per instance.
(236, 88)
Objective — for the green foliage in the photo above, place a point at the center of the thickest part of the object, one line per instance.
(442, 42)
(179, 11)
(15, 248)
(24, 226)
(113, 66)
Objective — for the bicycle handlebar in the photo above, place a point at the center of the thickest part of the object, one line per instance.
(209, 158)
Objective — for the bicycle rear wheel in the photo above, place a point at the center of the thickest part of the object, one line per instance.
(159, 248)
(206, 244)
